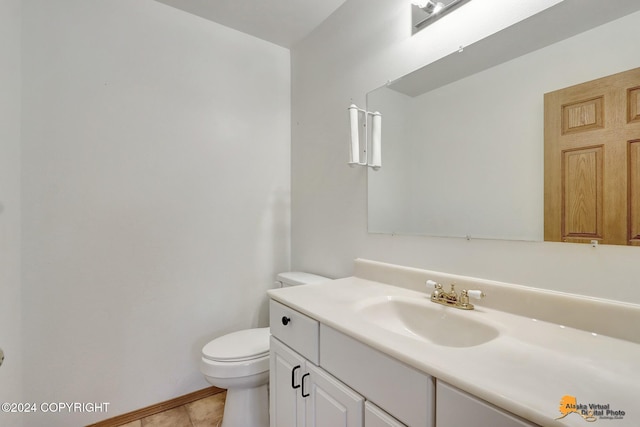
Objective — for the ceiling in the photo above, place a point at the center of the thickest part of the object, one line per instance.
(283, 22)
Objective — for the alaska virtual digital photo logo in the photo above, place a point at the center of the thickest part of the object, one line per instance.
(589, 412)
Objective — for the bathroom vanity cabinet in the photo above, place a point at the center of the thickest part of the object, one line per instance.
(406, 361)
(323, 378)
(302, 392)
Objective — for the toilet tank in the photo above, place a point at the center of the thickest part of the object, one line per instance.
(295, 278)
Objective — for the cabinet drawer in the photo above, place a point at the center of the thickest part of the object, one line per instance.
(404, 392)
(456, 408)
(295, 329)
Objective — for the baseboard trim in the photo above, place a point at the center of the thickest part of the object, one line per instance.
(157, 408)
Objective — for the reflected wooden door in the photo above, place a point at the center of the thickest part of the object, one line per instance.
(592, 161)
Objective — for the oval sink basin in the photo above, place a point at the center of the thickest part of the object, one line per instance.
(422, 319)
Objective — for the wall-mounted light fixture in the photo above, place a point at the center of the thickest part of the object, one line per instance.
(425, 12)
(371, 153)
(429, 6)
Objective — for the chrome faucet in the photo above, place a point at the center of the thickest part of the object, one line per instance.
(451, 298)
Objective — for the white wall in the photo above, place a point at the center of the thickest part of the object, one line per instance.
(361, 46)
(10, 313)
(155, 197)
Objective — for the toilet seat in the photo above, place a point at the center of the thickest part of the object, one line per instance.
(238, 354)
(238, 346)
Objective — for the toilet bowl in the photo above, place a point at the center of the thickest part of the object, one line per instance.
(239, 362)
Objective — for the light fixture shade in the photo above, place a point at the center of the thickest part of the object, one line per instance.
(429, 6)
(438, 7)
(372, 144)
(425, 12)
(354, 141)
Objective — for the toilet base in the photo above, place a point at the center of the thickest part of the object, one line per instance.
(246, 407)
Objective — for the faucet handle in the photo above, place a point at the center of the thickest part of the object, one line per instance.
(436, 287)
(464, 298)
(476, 294)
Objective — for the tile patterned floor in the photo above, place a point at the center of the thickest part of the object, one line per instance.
(205, 412)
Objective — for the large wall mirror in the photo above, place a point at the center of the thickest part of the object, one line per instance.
(463, 138)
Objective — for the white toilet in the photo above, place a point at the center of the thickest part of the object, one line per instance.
(239, 362)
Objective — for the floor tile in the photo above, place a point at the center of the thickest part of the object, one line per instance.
(207, 412)
(177, 417)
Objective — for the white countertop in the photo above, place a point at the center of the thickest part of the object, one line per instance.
(526, 370)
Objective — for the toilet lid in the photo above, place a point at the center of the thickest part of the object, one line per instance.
(237, 346)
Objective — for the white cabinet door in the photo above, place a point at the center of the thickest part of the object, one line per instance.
(455, 408)
(286, 370)
(329, 403)
(376, 417)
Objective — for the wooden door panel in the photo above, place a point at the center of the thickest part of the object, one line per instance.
(634, 193)
(633, 104)
(582, 194)
(592, 182)
(582, 116)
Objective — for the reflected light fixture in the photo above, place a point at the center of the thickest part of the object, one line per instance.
(429, 6)
(425, 12)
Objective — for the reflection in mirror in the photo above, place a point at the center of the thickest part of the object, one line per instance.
(465, 157)
(426, 12)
